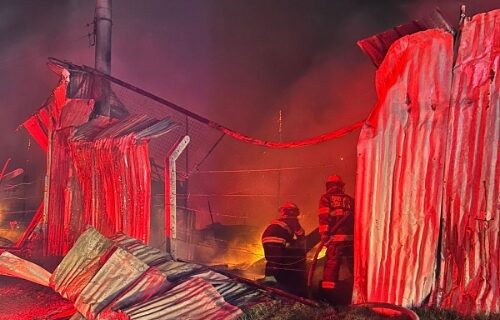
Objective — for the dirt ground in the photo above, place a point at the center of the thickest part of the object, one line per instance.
(24, 300)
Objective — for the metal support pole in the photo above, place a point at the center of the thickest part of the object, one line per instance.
(171, 194)
(103, 36)
(46, 196)
(103, 25)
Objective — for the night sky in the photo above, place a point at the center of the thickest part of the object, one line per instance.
(235, 62)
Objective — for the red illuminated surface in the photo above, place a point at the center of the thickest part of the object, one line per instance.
(410, 145)
(23, 300)
(428, 170)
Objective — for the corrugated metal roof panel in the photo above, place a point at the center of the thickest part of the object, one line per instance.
(112, 186)
(10, 265)
(124, 286)
(119, 272)
(192, 299)
(377, 46)
(75, 112)
(176, 270)
(151, 283)
(235, 293)
(131, 124)
(399, 172)
(150, 256)
(80, 264)
(89, 130)
(470, 259)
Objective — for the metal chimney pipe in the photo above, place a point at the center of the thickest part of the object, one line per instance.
(103, 25)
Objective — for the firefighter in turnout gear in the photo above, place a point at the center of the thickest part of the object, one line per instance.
(336, 226)
(284, 248)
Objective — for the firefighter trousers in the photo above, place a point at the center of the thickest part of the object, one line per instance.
(288, 270)
(336, 252)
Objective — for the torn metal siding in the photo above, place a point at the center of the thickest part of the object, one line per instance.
(235, 293)
(117, 275)
(399, 170)
(469, 279)
(106, 280)
(150, 256)
(376, 46)
(98, 275)
(10, 265)
(116, 280)
(59, 175)
(100, 175)
(115, 177)
(80, 264)
(148, 285)
(35, 129)
(192, 299)
(99, 170)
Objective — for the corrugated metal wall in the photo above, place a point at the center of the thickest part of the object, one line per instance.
(470, 258)
(400, 166)
(429, 153)
(115, 176)
(60, 237)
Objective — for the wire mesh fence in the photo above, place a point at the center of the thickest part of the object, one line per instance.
(229, 191)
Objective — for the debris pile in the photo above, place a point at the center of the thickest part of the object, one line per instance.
(121, 278)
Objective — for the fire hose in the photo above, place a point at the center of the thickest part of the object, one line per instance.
(382, 306)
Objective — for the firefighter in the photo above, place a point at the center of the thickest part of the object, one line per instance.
(336, 226)
(284, 248)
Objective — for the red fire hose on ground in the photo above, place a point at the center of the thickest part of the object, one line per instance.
(388, 309)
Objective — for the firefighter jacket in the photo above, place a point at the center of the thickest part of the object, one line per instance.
(332, 208)
(282, 232)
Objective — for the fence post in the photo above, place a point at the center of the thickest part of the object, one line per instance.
(171, 193)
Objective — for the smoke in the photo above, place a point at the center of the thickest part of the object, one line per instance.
(235, 62)
(30, 31)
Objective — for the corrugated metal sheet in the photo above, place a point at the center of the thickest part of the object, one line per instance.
(235, 293)
(97, 275)
(114, 174)
(101, 275)
(60, 236)
(150, 256)
(177, 270)
(38, 133)
(376, 46)
(399, 171)
(147, 286)
(118, 285)
(119, 272)
(192, 299)
(99, 170)
(470, 258)
(75, 112)
(10, 265)
(100, 175)
(81, 263)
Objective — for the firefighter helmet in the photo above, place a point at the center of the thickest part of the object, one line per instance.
(335, 180)
(289, 209)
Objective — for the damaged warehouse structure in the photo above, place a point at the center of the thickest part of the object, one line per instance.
(427, 187)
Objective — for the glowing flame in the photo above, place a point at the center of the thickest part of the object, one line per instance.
(2, 208)
(322, 253)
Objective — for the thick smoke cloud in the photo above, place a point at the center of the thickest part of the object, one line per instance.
(235, 62)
